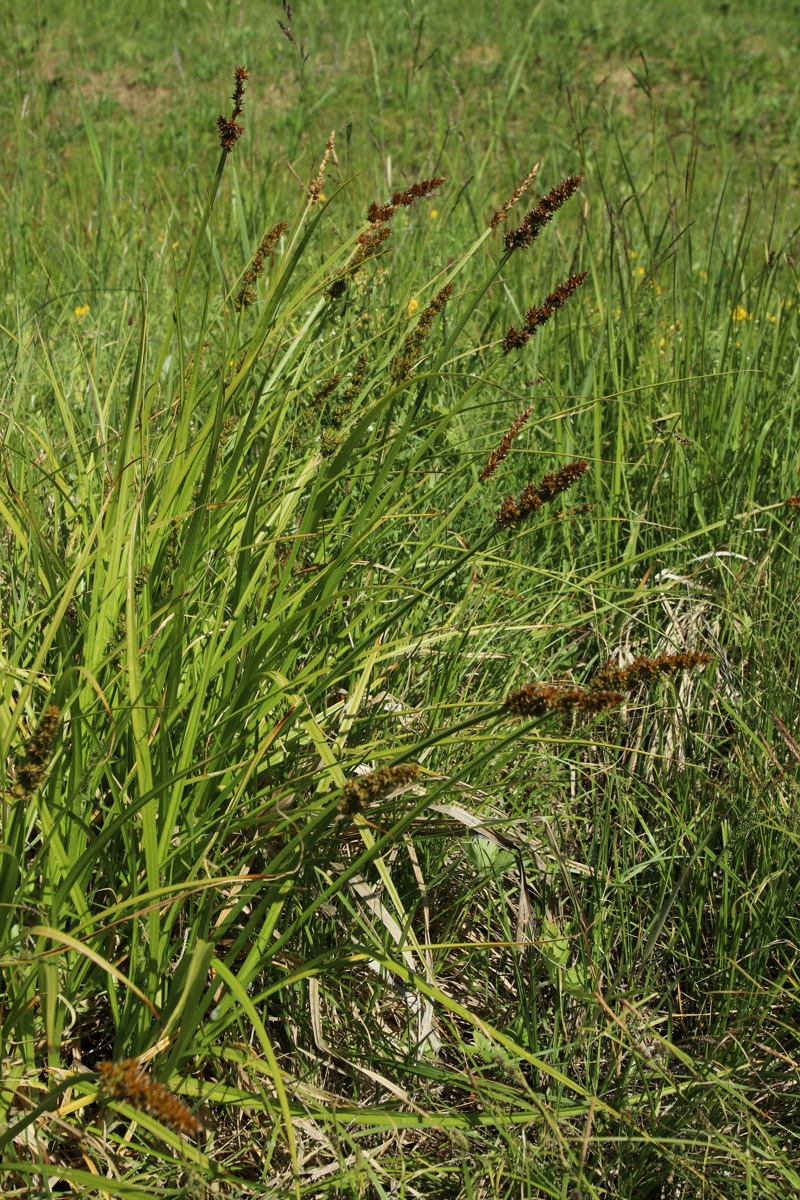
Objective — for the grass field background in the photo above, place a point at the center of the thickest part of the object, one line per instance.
(247, 561)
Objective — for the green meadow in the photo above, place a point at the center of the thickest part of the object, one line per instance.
(399, 600)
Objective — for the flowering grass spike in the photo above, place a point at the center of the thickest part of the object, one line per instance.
(127, 1081)
(377, 785)
(513, 512)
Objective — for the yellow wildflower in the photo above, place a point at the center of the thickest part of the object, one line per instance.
(81, 310)
(433, 214)
(739, 313)
(640, 270)
(634, 253)
(413, 305)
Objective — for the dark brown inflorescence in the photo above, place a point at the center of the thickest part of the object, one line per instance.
(502, 212)
(247, 293)
(378, 213)
(32, 769)
(535, 317)
(127, 1081)
(377, 785)
(534, 221)
(793, 501)
(536, 699)
(405, 358)
(535, 495)
(229, 128)
(497, 455)
(645, 669)
(379, 216)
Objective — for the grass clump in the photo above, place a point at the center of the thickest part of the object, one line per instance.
(363, 831)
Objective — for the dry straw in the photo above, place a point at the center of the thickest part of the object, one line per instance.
(315, 188)
(502, 212)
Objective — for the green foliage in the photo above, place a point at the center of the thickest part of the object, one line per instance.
(249, 561)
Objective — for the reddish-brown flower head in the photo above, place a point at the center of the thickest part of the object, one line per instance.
(535, 317)
(228, 127)
(536, 699)
(536, 494)
(534, 221)
(645, 669)
(127, 1081)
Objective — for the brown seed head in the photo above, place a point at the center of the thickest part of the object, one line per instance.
(536, 494)
(645, 669)
(377, 785)
(535, 317)
(794, 501)
(32, 770)
(126, 1081)
(534, 221)
(229, 128)
(536, 699)
(377, 213)
(497, 455)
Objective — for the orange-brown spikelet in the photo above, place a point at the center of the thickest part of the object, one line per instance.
(377, 785)
(793, 501)
(378, 213)
(535, 317)
(536, 494)
(247, 293)
(645, 669)
(32, 770)
(368, 244)
(127, 1081)
(497, 455)
(534, 221)
(536, 699)
(505, 208)
(229, 128)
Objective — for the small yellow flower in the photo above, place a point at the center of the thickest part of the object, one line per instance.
(175, 244)
(81, 310)
(413, 305)
(739, 313)
(433, 214)
(640, 270)
(322, 197)
(702, 274)
(634, 253)
(772, 318)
